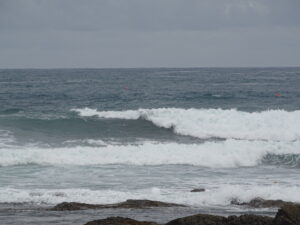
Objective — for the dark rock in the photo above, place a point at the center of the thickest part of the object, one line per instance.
(249, 220)
(65, 206)
(131, 203)
(69, 206)
(203, 219)
(119, 221)
(288, 215)
(262, 203)
(199, 219)
(198, 190)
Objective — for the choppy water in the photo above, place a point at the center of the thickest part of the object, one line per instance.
(107, 135)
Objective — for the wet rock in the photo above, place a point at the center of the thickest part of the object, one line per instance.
(199, 219)
(68, 206)
(262, 203)
(288, 215)
(119, 221)
(145, 204)
(198, 190)
(249, 220)
(203, 219)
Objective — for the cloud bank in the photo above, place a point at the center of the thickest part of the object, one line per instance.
(157, 33)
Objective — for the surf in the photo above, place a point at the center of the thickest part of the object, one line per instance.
(275, 125)
(221, 154)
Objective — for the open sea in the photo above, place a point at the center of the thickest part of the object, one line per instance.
(108, 135)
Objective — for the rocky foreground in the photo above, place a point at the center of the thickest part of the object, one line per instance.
(288, 214)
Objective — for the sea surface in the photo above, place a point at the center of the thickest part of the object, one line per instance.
(108, 135)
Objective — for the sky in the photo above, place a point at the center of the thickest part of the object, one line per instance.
(149, 33)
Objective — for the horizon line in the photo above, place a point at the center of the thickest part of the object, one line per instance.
(150, 67)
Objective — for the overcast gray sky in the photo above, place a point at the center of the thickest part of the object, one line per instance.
(149, 33)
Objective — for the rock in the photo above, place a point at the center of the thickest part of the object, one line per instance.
(199, 219)
(249, 220)
(119, 221)
(198, 190)
(145, 204)
(68, 206)
(288, 215)
(203, 219)
(262, 203)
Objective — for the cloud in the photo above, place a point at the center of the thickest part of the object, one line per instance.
(143, 33)
(238, 47)
(146, 15)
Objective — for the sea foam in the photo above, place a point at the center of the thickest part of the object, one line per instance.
(221, 154)
(214, 196)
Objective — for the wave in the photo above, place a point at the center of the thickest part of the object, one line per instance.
(291, 160)
(213, 196)
(74, 127)
(275, 125)
(10, 111)
(223, 154)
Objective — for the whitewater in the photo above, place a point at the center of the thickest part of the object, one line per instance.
(222, 154)
(207, 123)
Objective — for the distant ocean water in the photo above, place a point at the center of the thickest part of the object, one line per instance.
(107, 135)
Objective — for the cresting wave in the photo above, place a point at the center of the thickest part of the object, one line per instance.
(223, 154)
(275, 125)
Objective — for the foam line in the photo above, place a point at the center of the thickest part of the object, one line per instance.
(223, 154)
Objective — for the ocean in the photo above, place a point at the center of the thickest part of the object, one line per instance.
(107, 135)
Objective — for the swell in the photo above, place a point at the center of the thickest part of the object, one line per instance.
(222, 154)
(73, 127)
(11, 111)
(275, 125)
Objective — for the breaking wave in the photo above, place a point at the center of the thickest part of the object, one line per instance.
(223, 154)
(275, 125)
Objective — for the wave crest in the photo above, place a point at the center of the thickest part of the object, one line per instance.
(275, 125)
